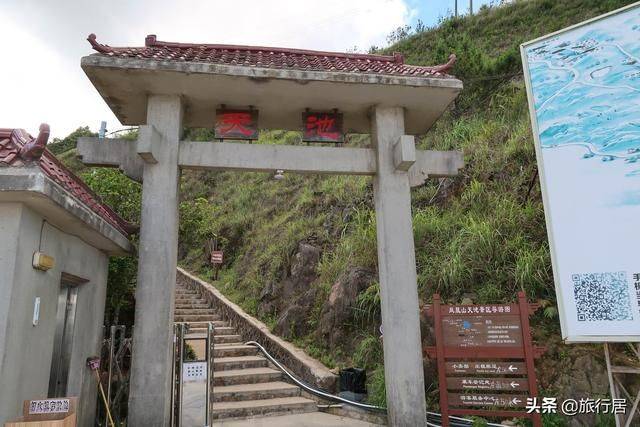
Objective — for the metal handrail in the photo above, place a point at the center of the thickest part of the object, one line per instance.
(454, 421)
(313, 390)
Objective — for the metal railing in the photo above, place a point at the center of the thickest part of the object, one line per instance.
(434, 419)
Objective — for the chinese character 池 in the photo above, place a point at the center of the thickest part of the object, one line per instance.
(323, 125)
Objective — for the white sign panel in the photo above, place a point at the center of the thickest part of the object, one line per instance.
(583, 85)
(49, 406)
(194, 372)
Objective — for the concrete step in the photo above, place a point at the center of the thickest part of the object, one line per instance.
(239, 362)
(219, 324)
(189, 302)
(249, 408)
(182, 292)
(183, 306)
(246, 376)
(227, 339)
(203, 310)
(243, 392)
(196, 317)
(234, 350)
(189, 299)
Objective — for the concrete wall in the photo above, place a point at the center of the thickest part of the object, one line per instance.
(26, 350)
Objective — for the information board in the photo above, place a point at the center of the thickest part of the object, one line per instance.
(583, 85)
(485, 358)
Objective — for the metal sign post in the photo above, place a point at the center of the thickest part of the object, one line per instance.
(193, 371)
(476, 349)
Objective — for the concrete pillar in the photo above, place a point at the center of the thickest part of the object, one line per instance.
(150, 389)
(397, 273)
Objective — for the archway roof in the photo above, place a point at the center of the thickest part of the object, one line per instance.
(280, 82)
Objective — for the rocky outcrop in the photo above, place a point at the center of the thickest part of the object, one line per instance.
(339, 308)
(292, 298)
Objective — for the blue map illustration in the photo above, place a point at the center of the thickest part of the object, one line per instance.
(586, 87)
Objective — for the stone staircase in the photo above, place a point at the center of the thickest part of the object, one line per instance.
(245, 385)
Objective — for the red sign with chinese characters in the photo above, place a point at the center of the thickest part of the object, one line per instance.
(481, 350)
(216, 257)
(322, 127)
(236, 124)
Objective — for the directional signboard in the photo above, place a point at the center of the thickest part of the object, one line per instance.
(485, 358)
(481, 399)
(480, 383)
(486, 368)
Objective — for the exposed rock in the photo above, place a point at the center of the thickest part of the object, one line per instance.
(339, 307)
(582, 377)
(294, 296)
(571, 372)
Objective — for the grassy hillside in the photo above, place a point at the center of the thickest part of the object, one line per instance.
(300, 253)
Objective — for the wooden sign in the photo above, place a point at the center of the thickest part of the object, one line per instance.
(479, 383)
(49, 406)
(477, 350)
(493, 400)
(55, 411)
(236, 124)
(322, 127)
(486, 368)
(216, 257)
(482, 331)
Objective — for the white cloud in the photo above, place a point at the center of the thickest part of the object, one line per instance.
(46, 39)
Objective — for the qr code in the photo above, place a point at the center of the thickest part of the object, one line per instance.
(602, 296)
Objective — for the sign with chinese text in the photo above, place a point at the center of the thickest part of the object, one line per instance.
(493, 368)
(478, 383)
(49, 406)
(583, 86)
(475, 350)
(216, 257)
(322, 127)
(497, 400)
(236, 124)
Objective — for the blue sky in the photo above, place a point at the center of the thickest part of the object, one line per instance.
(429, 11)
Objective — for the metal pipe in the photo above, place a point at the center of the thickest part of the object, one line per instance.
(181, 330)
(455, 421)
(112, 333)
(173, 375)
(209, 357)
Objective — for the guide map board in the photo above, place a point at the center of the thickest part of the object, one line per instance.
(485, 358)
(583, 85)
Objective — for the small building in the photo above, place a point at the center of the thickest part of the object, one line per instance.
(56, 238)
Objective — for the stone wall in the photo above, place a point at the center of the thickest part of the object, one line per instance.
(296, 360)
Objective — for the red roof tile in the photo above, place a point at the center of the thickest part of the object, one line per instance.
(272, 57)
(18, 148)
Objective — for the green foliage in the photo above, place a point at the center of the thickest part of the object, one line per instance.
(59, 146)
(116, 190)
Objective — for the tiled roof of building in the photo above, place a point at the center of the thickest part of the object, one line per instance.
(18, 148)
(273, 57)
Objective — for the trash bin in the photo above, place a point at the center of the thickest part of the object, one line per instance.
(353, 380)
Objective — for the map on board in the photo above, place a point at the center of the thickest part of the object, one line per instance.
(585, 89)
